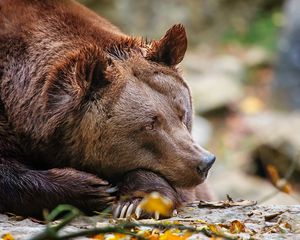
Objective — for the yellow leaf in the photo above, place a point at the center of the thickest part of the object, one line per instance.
(117, 236)
(150, 234)
(7, 236)
(236, 227)
(174, 234)
(200, 221)
(98, 237)
(215, 229)
(156, 203)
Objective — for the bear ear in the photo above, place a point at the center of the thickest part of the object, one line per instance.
(95, 74)
(91, 73)
(170, 49)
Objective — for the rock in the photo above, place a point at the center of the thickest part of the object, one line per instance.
(228, 65)
(256, 219)
(205, 61)
(20, 229)
(238, 184)
(213, 91)
(277, 140)
(255, 57)
(198, 61)
(215, 80)
(26, 228)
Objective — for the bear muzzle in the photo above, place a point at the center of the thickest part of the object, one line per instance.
(206, 164)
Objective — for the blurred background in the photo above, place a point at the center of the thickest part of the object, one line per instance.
(243, 67)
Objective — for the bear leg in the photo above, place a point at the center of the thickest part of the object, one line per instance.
(28, 192)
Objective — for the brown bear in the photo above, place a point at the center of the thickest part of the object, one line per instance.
(84, 107)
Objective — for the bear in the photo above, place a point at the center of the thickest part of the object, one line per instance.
(89, 114)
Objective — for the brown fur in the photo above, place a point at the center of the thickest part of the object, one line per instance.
(78, 97)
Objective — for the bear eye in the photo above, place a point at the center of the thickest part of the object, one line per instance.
(151, 125)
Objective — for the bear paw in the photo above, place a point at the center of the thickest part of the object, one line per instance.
(81, 189)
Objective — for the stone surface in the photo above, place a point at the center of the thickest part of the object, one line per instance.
(214, 79)
(213, 91)
(276, 139)
(206, 61)
(255, 57)
(255, 218)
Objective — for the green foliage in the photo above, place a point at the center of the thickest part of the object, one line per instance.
(262, 30)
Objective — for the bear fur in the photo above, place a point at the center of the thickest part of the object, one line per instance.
(84, 107)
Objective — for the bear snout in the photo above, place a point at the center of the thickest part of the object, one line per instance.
(205, 164)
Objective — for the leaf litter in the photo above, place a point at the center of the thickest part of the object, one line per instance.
(178, 228)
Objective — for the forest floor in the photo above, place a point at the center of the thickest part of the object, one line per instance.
(206, 222)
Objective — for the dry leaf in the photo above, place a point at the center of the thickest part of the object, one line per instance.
(281, 184)
(227, 203)
(273, 174)
(237, 227)
(217, 230)
(272, 216)
(7, 236)
(98, 237)
(173, 234)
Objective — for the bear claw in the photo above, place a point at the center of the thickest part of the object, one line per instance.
(125, 209)
(132, 209)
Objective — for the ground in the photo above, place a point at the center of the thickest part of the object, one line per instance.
(258, 221)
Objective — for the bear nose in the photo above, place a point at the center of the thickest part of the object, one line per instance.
(206, 164)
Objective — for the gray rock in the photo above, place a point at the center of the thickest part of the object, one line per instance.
(228, 65)
(213, 91)
(238, 184)
(206, 61)
(277, 139)
(254, 218)
(26, 228)
(255, 57)
(19, 229)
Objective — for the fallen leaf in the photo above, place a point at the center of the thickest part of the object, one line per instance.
(98, 237)
(217, 230)
(173, 234)
(156, 203)
(281, 184)
(272, 216)
(237, 227)
(7, 236)
(227, 203)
